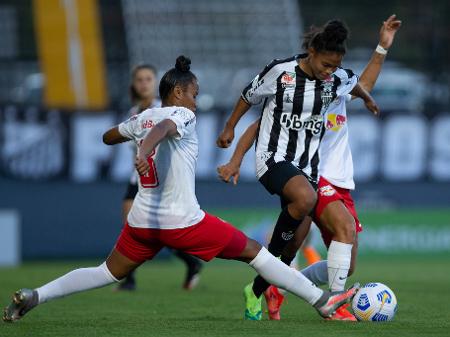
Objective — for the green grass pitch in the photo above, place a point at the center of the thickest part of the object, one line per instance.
(160, 308)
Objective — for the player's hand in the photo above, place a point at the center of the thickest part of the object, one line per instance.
(388, 31)
(142, 165)
(226, 137)
(228, 171)
(372, 106)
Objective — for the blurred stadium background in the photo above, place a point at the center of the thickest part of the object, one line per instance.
(64, 76)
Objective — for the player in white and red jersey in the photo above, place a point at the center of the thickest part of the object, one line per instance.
(335, 212)
(142, 94)
(166, 212)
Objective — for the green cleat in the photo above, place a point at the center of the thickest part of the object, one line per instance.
(253, 310)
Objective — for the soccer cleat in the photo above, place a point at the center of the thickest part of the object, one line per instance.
(252, 304)
(23, 301)
(311, 255)
(343, 314)
(192, 277)
(332, 301)
(274, 299)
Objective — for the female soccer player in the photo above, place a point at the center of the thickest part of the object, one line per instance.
(165, 211)
(142, 94)
(296, 93)
(335, 213)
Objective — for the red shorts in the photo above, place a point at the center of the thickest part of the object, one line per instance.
(211, 237)
(327, 193)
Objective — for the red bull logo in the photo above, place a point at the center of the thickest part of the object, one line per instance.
(335, 122)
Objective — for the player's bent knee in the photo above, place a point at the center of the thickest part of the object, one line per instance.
(250, 251)
(304, 202)
(345, 230)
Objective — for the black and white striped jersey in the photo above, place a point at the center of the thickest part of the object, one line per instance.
(292, 124)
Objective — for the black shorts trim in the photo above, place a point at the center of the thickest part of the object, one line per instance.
(279, 174)
(130, 193)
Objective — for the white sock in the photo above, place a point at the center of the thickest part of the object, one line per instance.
(277, 273)
(317, 273)
(339, 258)
(76, 281)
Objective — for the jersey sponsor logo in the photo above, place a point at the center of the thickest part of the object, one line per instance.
(148, 124)
(327, 191)
(288, 79)
(335, 122)
(313, 123)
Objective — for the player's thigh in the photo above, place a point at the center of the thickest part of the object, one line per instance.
(119, 265)
(300, 191)
(335, 217)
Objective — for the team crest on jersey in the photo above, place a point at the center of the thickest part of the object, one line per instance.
(327, 95)
(288, 79)
(327, 191)
(335, 122)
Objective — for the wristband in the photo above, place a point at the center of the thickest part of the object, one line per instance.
(381, 50)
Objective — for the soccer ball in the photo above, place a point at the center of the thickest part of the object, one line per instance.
(375, 302)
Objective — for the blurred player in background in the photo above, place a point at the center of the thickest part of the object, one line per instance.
(166, 212)
(335, 212)
(143, 96)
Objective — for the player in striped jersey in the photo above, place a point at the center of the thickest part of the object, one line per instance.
(335, 213)
(296, 93)
(142, 94)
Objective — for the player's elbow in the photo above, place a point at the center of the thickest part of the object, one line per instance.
(107, 139)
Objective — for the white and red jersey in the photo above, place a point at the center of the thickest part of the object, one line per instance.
(336, 163)
(166, 197)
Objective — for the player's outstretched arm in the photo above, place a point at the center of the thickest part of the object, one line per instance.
(227, 135)
(387, 34)
(113, 136)
(232, 168)
(163, 129)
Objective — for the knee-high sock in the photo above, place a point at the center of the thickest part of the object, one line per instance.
(76, 281)
(283, 276)
(339, 258)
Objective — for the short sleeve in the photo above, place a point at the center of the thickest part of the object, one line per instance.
(263, 85)
(347, 81)
(185, 121)
(128, 127)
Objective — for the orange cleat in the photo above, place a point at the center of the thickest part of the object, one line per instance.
(311, 255)
(274, 299)
(343, 314)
